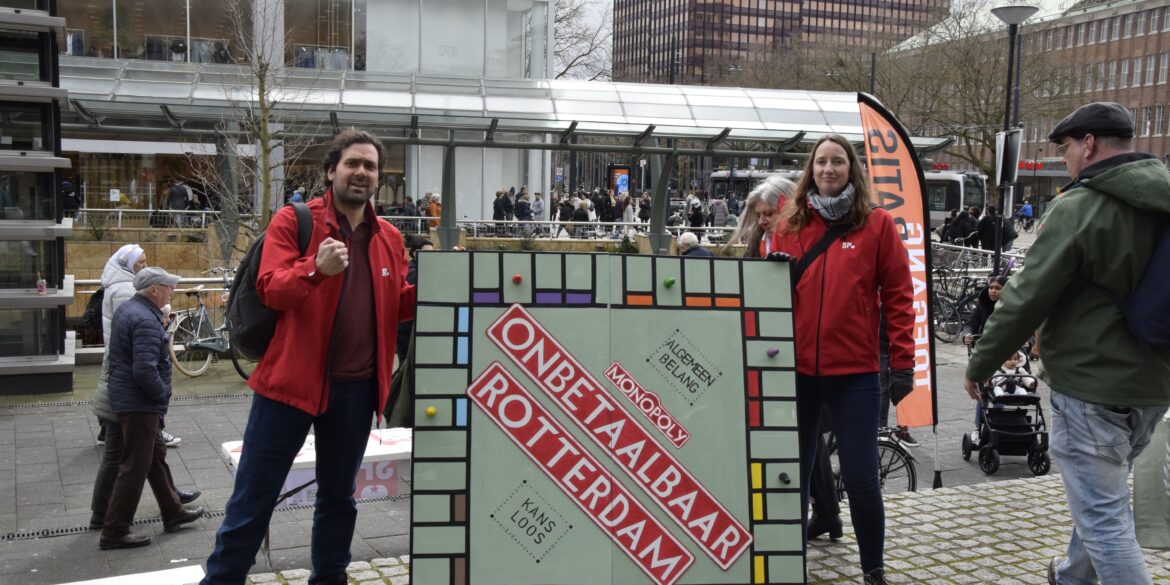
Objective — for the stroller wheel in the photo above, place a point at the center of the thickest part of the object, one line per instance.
(1038, 462)
(967, 447)
(988, 460)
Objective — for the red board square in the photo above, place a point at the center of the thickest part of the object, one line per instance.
(749, 323)
(753, 413)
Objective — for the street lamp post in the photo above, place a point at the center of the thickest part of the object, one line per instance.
(1012, 15)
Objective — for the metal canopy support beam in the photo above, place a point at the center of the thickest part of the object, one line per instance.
(414, 126)
(172, 119)
(718, 139)
(333, 121)
(644, 136)
(791, 142)
(661, 167)
(568, 132)
(448, 233)
(490, 135)
(89, 117)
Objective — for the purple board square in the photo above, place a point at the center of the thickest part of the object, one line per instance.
(486, 297)
(578, 298)
(548, 298)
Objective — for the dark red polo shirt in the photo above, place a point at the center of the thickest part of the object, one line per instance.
(354, 337)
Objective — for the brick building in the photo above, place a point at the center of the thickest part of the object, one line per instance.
(705, 34)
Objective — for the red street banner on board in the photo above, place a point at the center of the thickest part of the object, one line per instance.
(895, 176)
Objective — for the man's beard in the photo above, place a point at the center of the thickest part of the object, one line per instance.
(343, 193)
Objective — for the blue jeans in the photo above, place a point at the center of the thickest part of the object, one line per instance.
(853, 402)
(274, 435)
(1095, 446)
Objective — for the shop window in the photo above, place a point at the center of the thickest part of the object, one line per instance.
(319, 33)
(23, 262)
(515, 45)
(22, 126)
(20, 55)
(27, 196)
(29, 332)
(89, 28)
(155, 30)
(25, 4)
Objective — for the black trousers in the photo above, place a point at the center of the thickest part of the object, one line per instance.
(144, 459)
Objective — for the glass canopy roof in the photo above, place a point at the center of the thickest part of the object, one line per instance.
(116, 91)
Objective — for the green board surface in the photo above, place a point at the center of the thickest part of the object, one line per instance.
(681, 391)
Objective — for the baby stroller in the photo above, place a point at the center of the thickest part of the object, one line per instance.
(1013, 421)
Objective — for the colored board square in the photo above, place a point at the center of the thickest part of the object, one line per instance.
(429, 350)
(726, 277)
(486, 270)
(461, 348)
(638, 274)
(754, 418)
(485, 297)
(774, 471)
(778, 384)
(665, 271)
(430, 540)
(440, 475)
(461, 412)
(430, 571)
(444, 413)
(778, 537)
(462, 321)
(434, 276)
(779, 413)
(783, 505)
(550, 297)
(439, 381)
(775, 324)
(757, 354)
(774, 444)
(579, 272)
(750, 324)
(438, 443)
(765, 285)
(753, 383)
(431, 508)
(785, 565)
(517, 265)
(430, 319)
(548, 271)
(698, 275)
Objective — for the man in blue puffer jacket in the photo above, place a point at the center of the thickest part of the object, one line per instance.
(140, 391)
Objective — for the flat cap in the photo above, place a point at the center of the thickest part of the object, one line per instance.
(153, 275)
(1098, 119)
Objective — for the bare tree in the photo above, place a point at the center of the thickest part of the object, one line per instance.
(583, 40)
(265, 129)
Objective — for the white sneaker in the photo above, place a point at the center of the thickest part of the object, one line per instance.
(170, 440)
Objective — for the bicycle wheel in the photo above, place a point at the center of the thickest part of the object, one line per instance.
(896, 470)
(243, 364)
(190, 361)
(947, 321)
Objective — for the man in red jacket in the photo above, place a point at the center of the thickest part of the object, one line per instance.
(328, 365)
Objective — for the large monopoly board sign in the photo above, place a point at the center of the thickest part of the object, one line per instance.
(587, 419)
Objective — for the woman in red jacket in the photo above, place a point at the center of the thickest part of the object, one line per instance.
(836, 308)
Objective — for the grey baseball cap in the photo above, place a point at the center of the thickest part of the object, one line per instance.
(154, 275)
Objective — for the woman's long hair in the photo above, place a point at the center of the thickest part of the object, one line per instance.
(747, 229)
(797, 213)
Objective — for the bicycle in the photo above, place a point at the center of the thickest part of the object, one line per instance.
(195, 340)
(1025, 224)
(951, 312)
(897, 472)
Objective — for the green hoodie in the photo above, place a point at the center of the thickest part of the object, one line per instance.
(1101, 231)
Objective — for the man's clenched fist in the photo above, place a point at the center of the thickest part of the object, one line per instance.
(332, 257)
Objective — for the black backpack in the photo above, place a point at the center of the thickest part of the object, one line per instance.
(1147, 307)
(91, 319)
(250, 322)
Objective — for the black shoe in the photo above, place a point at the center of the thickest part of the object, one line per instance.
(96, 522)
(128, 540)
(818, 525)
(875, 577)
(1052, 569)
(338, 579)
(188, 516)
(188, 497)
(905, 437)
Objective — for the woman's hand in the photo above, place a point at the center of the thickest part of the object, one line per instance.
(968, 338)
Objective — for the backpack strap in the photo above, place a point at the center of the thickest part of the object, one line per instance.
(816, 250)
(304, 226)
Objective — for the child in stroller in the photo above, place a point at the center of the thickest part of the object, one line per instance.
(1011, 420)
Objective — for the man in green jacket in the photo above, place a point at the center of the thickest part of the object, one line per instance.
(1109, 390)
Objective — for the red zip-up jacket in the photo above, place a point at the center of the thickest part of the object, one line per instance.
(294, 369)
(837, 302)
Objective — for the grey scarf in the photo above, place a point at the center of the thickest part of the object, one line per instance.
(832, 208)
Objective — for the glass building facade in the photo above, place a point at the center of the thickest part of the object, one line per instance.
(35, 354)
